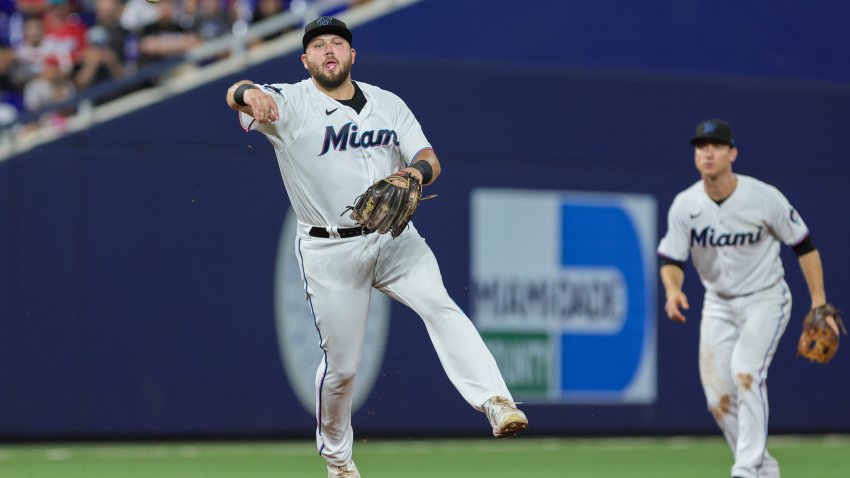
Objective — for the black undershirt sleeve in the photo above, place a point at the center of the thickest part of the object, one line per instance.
(667, 261)
(808, 245)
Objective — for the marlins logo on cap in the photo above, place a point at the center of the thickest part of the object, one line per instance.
(714, 130)
(325, 25)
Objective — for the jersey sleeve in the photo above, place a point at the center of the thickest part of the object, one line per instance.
(674, 245)
(282, 131)
(784, 220)
(411, 138)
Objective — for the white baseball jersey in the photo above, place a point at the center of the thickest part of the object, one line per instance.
(735, 245)
(328, 154)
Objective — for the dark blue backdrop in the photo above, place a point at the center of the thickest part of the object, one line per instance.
(137, 258)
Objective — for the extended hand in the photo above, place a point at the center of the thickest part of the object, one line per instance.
(673, 304)
(263, 107)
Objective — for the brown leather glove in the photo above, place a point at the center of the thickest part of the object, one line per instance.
(388, 204)
(819, 340)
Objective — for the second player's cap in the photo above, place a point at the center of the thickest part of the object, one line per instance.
(323, 26)
(714, 130)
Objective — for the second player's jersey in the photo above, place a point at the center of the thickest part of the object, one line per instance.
(329, 154)
(734, 245)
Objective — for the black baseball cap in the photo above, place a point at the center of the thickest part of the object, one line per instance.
(323, 26)
(714, 130)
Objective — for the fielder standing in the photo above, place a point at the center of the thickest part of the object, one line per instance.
(333, 138)
(732, 226)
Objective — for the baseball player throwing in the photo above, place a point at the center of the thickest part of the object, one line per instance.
(732, 226)
(334, 137)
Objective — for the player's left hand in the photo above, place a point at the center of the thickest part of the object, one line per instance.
(389, 203)
(821, 334)
(413, 172)
(829, 317)
(830, 321)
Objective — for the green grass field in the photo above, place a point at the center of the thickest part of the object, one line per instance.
(804, 457)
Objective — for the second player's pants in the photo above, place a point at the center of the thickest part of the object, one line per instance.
(339, 275)
(738, 338)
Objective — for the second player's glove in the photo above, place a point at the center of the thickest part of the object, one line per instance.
(819, 340)
(388, 204)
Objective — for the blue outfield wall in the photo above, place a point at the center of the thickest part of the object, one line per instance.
(138, 260)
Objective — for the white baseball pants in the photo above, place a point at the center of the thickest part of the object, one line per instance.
(738, 338)
(339, 275)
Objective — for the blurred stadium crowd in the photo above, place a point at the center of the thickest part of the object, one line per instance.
(50, 50)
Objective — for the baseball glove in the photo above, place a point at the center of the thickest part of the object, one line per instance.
(388, 204)
(819, 341)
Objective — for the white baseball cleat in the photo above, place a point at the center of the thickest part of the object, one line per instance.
(348, 470)
(505, 417)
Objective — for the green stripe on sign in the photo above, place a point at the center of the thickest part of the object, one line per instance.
(525, 360)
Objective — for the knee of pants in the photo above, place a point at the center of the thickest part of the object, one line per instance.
(343, 374)
(746, 380)
(721, 407)
(719, 391)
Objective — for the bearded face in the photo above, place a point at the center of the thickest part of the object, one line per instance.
(328, 58)
(330, 73)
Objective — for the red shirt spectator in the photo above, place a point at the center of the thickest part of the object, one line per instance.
(64, 29)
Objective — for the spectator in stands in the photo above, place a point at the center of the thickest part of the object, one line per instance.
(52, 86)
(137, 14)
(103, 59)
(64, 31)
(211, 20)
(165, 38)
(266, 9)
(30, 54)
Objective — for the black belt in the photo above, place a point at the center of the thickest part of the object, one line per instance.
(342, 233)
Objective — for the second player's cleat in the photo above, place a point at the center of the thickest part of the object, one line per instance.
(349, 470)
(505, 418)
